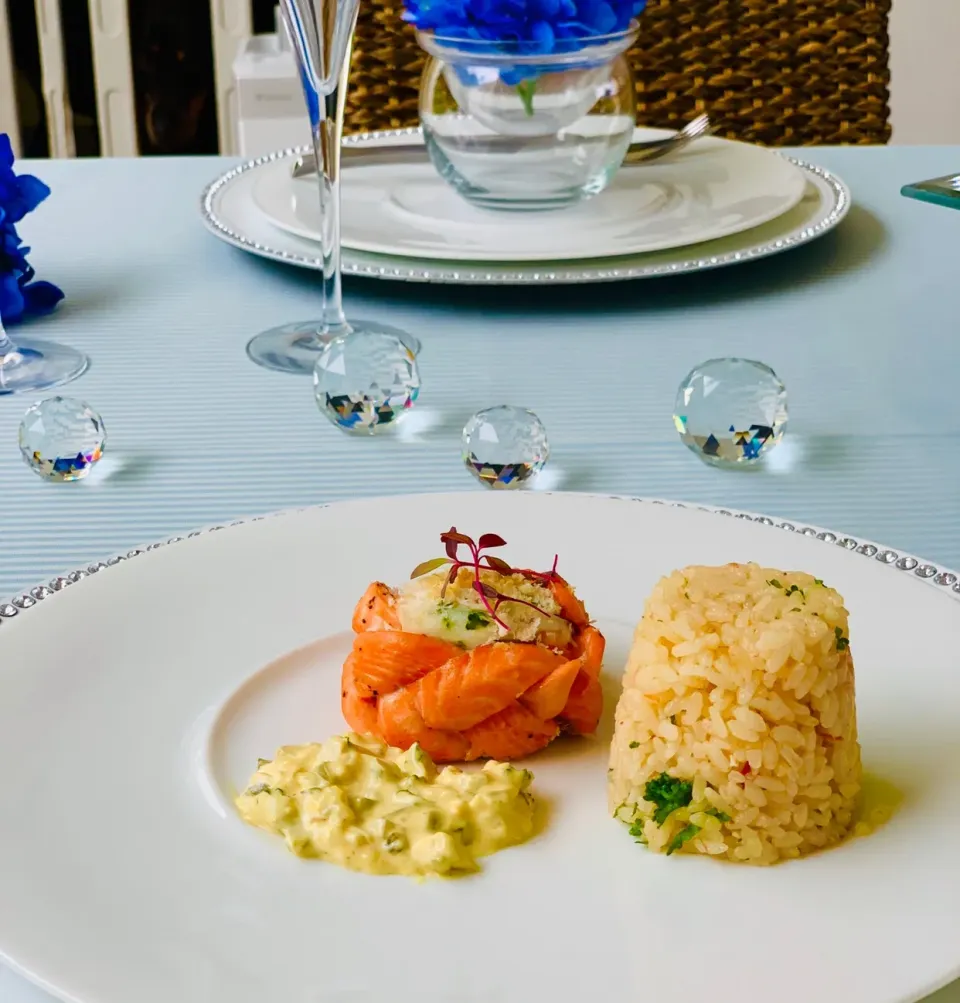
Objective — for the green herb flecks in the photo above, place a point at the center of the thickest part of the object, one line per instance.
(776, 584)
(716, 813)
(842, 642)
(526, 89)
(668, 794)
(636, 830)
(818, 581)
(685, 834)
(634, 745)
(477, 620)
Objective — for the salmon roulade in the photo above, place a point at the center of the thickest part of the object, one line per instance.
(472, 658)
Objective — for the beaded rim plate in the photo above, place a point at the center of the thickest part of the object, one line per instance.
(943, 578)
(228, 211)
(158, 892)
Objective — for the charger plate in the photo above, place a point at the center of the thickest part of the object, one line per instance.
(229, 211)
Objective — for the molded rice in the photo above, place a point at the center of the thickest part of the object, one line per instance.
(740, 680)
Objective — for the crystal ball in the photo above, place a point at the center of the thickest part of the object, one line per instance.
(731, 412)
(61, 438)
(503, 447)
(366, 380)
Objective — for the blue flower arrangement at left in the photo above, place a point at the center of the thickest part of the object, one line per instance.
(20, 295)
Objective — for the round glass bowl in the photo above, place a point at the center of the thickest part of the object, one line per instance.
(518, 131)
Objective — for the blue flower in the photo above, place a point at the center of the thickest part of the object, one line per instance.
(528, 26)
(20, 295)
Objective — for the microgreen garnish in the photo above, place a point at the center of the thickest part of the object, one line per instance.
(688, 832)
(478, 561)
(668, 794)
(842, 642)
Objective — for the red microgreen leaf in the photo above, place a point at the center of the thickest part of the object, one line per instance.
(452, 540)
(428, 566)
(497, 565)
(485, 590)
(489, 540)
(452, 535)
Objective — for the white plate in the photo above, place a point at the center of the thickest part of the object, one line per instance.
(126, 877)
(713, 189)
(228, 211)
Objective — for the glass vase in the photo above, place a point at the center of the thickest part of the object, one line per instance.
(511, 130)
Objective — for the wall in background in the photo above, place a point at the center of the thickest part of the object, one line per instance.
(925, 64)
(925, 37)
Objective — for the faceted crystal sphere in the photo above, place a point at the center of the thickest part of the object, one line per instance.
(731, 412)
(505, 446)
(61, 438)
(366, 380)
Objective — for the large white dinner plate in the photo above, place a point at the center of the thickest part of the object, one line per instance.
(712, 189)
(229, 212)
(134, 701)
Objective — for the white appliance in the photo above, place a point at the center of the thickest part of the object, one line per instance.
(271, 114)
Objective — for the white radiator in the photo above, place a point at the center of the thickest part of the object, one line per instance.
(110, 37)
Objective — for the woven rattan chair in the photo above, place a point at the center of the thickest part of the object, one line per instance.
(779, 72)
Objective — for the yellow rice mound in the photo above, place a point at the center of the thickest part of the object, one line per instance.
(739, 688)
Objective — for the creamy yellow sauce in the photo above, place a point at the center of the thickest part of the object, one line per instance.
(457, 613)
(357, 802)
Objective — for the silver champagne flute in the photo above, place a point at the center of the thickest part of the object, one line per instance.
(321, 32)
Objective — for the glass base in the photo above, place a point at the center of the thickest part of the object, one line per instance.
(538, 181)
(39, 365)
(295, 348)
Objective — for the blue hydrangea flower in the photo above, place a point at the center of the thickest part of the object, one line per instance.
(521, 27)
(20, 295)
(528, 26)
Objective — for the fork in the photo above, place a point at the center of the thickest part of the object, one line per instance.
(396, 153)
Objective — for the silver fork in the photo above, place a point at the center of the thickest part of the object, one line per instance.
(654, 149)
(402, 153)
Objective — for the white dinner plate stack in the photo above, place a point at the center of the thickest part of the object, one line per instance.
(715, 203)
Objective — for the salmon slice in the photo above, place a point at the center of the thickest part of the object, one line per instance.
(582, 712)
(401, 724)
(377, 610)
(385, 660)
(548, 697)
(593, 644)
(469, 688)
(570, 606)
(511, 733)
(360, 714)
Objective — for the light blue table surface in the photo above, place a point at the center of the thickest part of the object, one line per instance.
(863, 327)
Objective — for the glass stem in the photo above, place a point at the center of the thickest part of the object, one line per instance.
(7, 347)
(327, 133)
